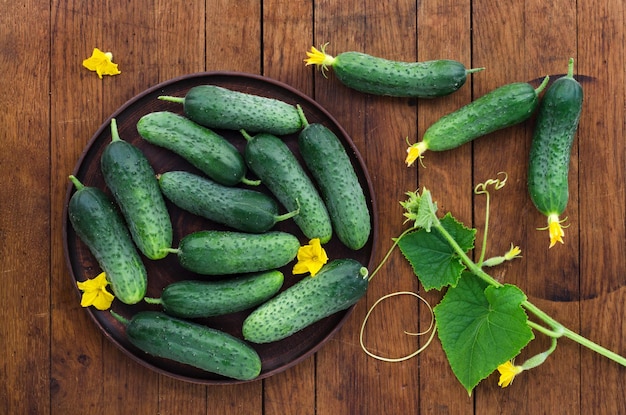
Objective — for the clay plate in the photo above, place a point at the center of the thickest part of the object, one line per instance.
(277, 356)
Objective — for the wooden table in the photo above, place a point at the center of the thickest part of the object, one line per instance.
(55, 361)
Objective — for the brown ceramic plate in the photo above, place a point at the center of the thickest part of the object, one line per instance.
(275, 357)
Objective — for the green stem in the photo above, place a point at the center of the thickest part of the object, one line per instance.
(250, 182)
(115, 136)
(594, 346)
(119, 318)
(168, 98)
(395, 243)
(570, 68)
(303, 120)
(473, 70)
(542, 85)
(484, 247)
(151, 300)
(77, 184)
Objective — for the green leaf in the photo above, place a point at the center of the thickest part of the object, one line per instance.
(480, 327)
(432, 257)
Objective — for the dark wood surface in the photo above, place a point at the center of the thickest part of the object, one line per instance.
(55, 359)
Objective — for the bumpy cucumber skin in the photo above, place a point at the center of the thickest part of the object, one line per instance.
(503, 107)
(131, 179)
(272, 161)
(217, 107)
(225, 252)
(329, 164)
(553, 137)
(193, 344)
(206, 150)
(195, 299)
(379, 76)
(337, 286)
(98, 224)
(239, 208)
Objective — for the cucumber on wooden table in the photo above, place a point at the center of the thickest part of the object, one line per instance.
(330, 166)
(378, 76)
(337, 286)
(549, 158)
(500, 108)
(131, 179)
(193, 344)
(239, 208)
(217, 107)
(215, 252)
(99, 225)
(194, 299)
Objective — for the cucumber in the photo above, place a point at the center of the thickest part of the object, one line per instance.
(500, 108)
(330, 166)
(194, 299)
(204, 149)
(242, 209)
(379, 76)
(225, 252)
(279, 170)
(193, 344)
(338, 285)
(130, 177)
(549, 158)
(98, 224)
(217, 107)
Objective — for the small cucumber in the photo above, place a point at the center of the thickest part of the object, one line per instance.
(379, 76)
(206, 150)
(193, 344)
(130, 177)
(502, 107)
(330, 166)
(549, 159)
(195, 299)
(337, 286)
(217, 107)
(274, 163)
(225, 252)
(242, 209)
(99, 225)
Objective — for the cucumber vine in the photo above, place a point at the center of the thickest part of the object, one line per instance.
(477, 313)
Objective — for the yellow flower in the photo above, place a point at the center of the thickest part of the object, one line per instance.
(556, 230)
(102, 63)
(513, 253)
(311, 258)
(95, 292)
(508, 371)
(415, 152)
(319, 58)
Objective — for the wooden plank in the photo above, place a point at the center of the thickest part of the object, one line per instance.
(287, 33)
(444, 33)
(602, 202)
(24, 224)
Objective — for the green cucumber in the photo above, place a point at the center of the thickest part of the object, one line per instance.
(195, 299)
(225, 252)
(500, 108)
(379, 76)
(192, 344)
(337, 286)
(549, 159)
(273, 162)
(330, 166)
(241, 209)
(98, 224)
(217, 107)
(130, 177)
(203, 148)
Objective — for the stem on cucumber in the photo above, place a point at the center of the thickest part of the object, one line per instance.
(168, 98)
(543, 84)
(303, 120)
(76, 182)
(119, 318)
(151, 300)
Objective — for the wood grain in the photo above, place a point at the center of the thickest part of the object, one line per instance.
(56, 361)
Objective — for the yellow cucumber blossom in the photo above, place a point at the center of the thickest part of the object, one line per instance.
(95, 292)
(508, 371)
(319, 58)
(555, 229)
(101, 63)
(513, 252)
(311, 258)
(415, 152)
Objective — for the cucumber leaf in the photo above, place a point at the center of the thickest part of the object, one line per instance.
(433, 260)
(480, 327)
